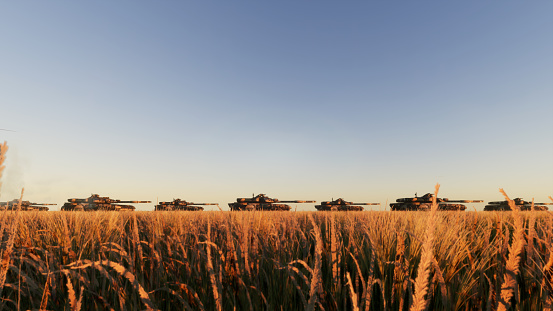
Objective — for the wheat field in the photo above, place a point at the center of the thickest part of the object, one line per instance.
(276, 260)
(261, 260)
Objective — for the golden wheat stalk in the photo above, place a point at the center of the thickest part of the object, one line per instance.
(45, 293)
(530, 247)
(352, 294)
(512, 266)
(3, 150)
(423, 272)
(289, 270)
(316, 279)
(438, 275)
(245, 244)
(79, 302)
(333, 250)
(400, 270)
(122, 271)
(547, 280)
(366, 298)
(9, 246)
(136, 238)
(212, 277)
(70, 291)
(191, 295)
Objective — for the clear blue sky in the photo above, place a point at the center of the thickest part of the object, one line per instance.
(213, 100)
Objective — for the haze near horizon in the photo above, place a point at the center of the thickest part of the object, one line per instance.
(210, 101)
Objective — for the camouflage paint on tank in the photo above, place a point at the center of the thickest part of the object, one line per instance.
(98, 203)
(25, 206)
(522, 205)
(181, 205)
(341, 205)
(424, 203)
(261, 202)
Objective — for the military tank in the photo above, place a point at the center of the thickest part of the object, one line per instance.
(98, 203)
(424, 203)
(522, 205)
(180, 205)
(25, 206)
(261, 202)
(341, 205)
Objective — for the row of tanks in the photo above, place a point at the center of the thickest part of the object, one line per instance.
(424, 203)
(261, 202)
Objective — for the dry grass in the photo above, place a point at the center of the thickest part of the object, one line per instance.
(296, 261)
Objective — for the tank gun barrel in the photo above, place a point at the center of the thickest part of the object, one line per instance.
(297, 201)
(42, 204)
(466, 201)
(117, 201)
(203, 203)
(365, 203)
(525, 203)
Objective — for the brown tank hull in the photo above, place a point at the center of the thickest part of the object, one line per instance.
(426, 207)
(258, 207)
(25, 208)
(261, 202)
(339, 207)
(181, 205)
(170, 207)
(72, 206)
(506, 207)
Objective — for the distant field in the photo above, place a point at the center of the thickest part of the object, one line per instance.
(276, 260)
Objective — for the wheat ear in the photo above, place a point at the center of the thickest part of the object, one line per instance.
(352, 293)
(334, 251)
(423, 272)
(531, 233)
(212, 276)
(316, 280)
(512, 265)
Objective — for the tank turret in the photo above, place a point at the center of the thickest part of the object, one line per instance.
(96, 202)
(262, 202)
(424, 203)
(181, 205)
(522, 205)
(341, 205)
(25, 206)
